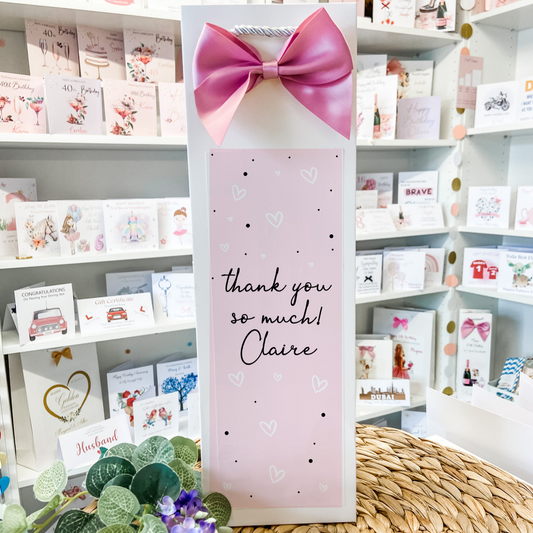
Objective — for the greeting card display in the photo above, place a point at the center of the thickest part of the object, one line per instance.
(371, 65)
(433, 16)
(21, 103)
(384, 392)
(496, 104)
(37, 229)
(74, 105)
(157, 416)
(373, 221)
(130, 108)
(81, 227)
(473, 351)
(150, 56)
(12, 191)
(175, 223)
(122, 283)
(481, 267)
(403, 271)
(524, 209)
(172, 109)
(101, 53)
(180, 377)
(63, 394)
(394, 13)
(381, 181)
(419, 118)
(366, 199)
(131, 225)
(415, 78)
(368, 274)
(417, 187)
(488, 207)
(52, 49)
(384, 91)
(114, 312)
(173, 296)
(374, 360)
(516, 272)
(416, 216)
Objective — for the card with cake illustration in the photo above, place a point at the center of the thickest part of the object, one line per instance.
(172, 109)
(101, 53)
(74, 105)
(131, 225)
(22, 104)
(12, 191)
(52, 48)
(130, 108)
(175, 223)
(81, 227)
(37, 229)
(150, 56)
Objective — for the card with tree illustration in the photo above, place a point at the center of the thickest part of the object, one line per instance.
(130, 108)
(175, 223)
(74, 105)
(177, 376)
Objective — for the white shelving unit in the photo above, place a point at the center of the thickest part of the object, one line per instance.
(497, 232)
(517, 16)
(502, 131)
(389, 296)
(367, 412)
(401, 234)
(497, 295)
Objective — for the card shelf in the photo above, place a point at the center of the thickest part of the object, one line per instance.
(400, 234)
(497, 232)
(387, 296)
(517, 16)
(488, 293)
(497, 132)
(366, 412)
(403, 144)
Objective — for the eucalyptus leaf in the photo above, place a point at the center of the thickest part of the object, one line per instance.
(185, 449)
(104, 471)
(153, 450)
(50, 506)
(78, 521)
(153, 524)
(118, 528)
(15, 519)
(123, 480)
(51, 481)
(124, 450)
(117, 505)
(219, 508)
(198, 488)
(153, 482)
(185, 473)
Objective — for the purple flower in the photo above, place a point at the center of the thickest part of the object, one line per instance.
(207, 527)
(188, 526)
(167, 507)
(189, 504)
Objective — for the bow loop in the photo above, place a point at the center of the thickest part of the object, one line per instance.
(397, 323)
(468, 326)
(65, 352)
(367, 349)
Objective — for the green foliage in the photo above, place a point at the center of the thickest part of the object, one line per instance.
(15, 519)
(50, 482)
(153, 482)
(50, 506)
(124, 480)
(185, 449)
(153, 450)
(124, 450)
(198, 487)
(185, 473)
(219, 508)
(118, 528)
(117, 505)
(153, 524)
(104, 471)
(77, 521)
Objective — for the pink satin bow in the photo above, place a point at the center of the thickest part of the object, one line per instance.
(367, 349)
(315, 66)
(397, 322)
(469, 326)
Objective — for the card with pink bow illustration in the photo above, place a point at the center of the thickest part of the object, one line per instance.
(374, 357)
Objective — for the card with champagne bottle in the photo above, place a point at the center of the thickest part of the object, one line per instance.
(435, 15)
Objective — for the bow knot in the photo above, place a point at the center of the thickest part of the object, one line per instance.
(468, 326)
(65, 352)
(367, 349)
(397, 322)
(270, 69)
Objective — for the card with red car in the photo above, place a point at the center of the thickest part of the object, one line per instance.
(114, 312)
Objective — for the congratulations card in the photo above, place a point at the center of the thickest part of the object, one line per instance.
(173, 296)
(368, 274)
(177, 376)
(381, 181)
(403, 271)
(175, 223)
(172, 109)
(122, 283)
(417, 187)
(157, 416)
(488, 207)
(384, 93)
(481, 267)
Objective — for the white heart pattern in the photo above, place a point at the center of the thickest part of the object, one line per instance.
(276, 219)
(269, 429)
(263, 256)
(237, 379)
(278, 172)
(323, 488)
(230, 219)
(311, 264)
(238, 194)
(277, 377)
(224, 247)
(319, 386)
(310, 175)
(227, 486)
(275, 474)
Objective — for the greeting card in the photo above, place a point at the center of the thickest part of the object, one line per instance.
(180, 377)
(419, 118)
(473, 351)
(481, 267)
(524, 209)
(14, 53)
(403, 271)
(488, 207)
(169, 5)
(37, 229)
(131, 225)
(371, 65)
(374, 360)
(366, 199)
(175, 223)
(63, 395)
(101, 53)
(416, 216)
(150, 56)
(381, 181)
(373, 221)
(417, 187)
(415, 78)
(368, 274)
(122, 283)
(433, 16)
(470, 77)
(81, 227)
(365, 116)
(516, 272)
(172, 109)
(384, 392)
(434, 266)
(497, 104)
(74, 105)
(394, 13)
(114, 312)
(21, 103)
(157, 416)
(173, 296)
(130, 108)
(52, 49)
(121, 3)
(12, 191)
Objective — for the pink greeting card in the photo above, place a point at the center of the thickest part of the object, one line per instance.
(22, 104)
(150, 56)
(52, 49)
(272, 344)
(470, 76)
(74, 105)
(172, 110)
(101, 53)
(175, 223)
(130, 108)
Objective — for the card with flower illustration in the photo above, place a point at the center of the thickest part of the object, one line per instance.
(481, 266)
(157, 416)
(175, 223)
(415, 78)
(394, 13)
(74, 105)
(173, 296)
(131, 225)
(101, 53)
(381, 181)
(37, 229)
(374, 357)
(22, 104)
(122, 283)
(130, 108)
(488, 207)
(403, 270)
(177, 376)
(407, 217)
(81, 227)
(417, 187)
(150, 56)
(52, 48)
(172, 109)
(12, 191)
